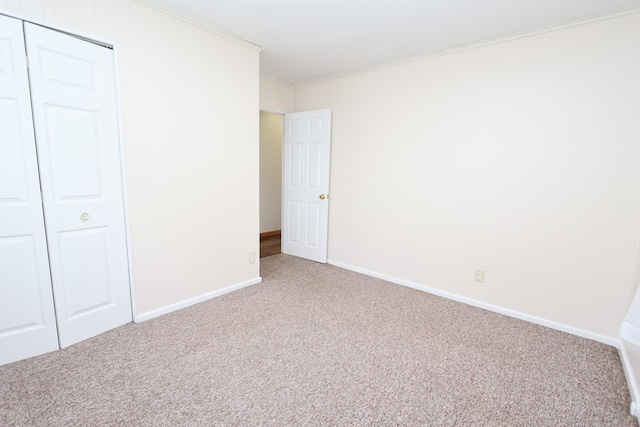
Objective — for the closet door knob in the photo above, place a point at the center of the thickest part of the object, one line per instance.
(84, 216)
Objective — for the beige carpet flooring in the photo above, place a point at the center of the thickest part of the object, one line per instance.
(317, 345)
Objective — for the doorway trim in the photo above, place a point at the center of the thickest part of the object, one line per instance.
(282, 115)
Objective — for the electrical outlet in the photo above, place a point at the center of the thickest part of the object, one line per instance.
(252, 257)
(479, 276)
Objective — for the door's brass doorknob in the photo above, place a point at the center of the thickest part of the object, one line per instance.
(322, 197)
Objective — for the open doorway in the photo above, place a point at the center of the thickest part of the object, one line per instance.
(271, 128)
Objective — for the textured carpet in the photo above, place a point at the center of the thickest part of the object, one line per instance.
(318, 345)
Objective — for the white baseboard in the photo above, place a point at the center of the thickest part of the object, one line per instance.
(497, 309)
(186, 303)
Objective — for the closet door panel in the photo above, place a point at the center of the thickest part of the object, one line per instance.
(75, 115)
(27, 316)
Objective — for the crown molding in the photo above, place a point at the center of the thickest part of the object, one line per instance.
(201, 25)
(474, 45)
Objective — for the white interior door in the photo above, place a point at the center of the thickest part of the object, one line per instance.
(74, 107)
(27, 317)
(305, 195)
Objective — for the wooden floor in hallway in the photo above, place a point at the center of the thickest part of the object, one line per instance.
(270, 243)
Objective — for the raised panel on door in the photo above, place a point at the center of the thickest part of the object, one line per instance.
(307, 142)
(75, 115)
(27, 316)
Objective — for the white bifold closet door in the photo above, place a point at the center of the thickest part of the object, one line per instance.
(72, 93)
(27, 318)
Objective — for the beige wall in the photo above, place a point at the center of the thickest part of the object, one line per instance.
(275, 96)
(271, 127)
(190, 102)
(519, 158)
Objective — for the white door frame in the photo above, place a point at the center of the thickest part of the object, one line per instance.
(114, 47)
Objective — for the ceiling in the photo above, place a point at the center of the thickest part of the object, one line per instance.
(311, 40)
